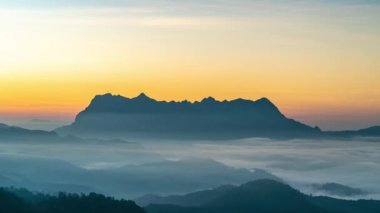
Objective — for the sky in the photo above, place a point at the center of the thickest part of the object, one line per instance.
(318, 61)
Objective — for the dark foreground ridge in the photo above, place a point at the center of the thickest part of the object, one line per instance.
(261, 196)
(142, 116)
(23, 201)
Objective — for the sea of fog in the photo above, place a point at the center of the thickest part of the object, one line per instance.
(355, 163)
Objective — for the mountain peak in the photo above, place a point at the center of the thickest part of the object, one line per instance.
(143, 97)
(264, 100)
(209, 100)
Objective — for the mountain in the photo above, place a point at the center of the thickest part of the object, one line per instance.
(23, 201)
(18, 134)
(143, 117)
(191, 199)
(257, 196)
(346, 206)
(368, 132)
(338, 190)
(261, 196)
(12, 133)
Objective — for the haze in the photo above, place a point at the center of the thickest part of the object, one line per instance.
(301, 163)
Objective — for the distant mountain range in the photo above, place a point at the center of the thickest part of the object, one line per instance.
(368, 132)
(12, 133)
(338, 190)
(261, 196)
(143, 117)
(18, 134)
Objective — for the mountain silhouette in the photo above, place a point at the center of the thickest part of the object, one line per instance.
(191, 199)
(368, 132)
(261, 196)
(201, 197)
(12, 133)
(18, 134)
(257, 196)
(114, 115)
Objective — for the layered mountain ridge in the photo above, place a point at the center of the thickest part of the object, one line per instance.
(113, 116)
(142, 116)
(264, 196)
(13, 133)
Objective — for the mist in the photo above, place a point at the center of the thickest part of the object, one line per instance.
(127, 170)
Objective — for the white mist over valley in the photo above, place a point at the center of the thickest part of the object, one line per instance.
(301, 163)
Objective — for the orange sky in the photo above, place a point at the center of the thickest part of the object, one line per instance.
(318, 63)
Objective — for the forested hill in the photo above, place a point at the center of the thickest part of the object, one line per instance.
(23, 201)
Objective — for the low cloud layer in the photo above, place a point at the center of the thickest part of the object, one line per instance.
(354, 164)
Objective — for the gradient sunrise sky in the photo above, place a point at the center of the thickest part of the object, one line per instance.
(318, 61)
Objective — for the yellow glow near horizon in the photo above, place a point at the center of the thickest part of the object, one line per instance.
(54, 61)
